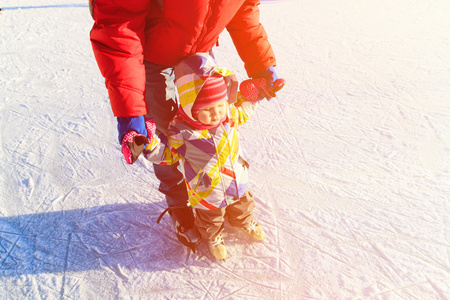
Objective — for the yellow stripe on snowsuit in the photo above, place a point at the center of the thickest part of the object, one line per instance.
(214, 174)
(190, 84)
(223, 71)
(154, 142)
(222, 150)
(238, 116)
(174, 142)
(193, 198)
(196, 197)
(222, 155)
(234, 146)
(189, 91)
(205, 134)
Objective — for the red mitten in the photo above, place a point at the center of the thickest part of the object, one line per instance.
(133, 143)
(259, 88)
(151, 128)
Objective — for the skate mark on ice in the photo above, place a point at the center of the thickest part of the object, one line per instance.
(246, 279)
(65, 266)
(438, 290)
(110, 237)
(403, 289)
(7, 253)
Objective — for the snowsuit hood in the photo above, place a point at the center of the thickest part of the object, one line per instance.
(190, 76)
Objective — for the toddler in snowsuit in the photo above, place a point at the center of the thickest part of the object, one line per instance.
(203, 137)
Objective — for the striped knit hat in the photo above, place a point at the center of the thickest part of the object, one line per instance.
(213, 90)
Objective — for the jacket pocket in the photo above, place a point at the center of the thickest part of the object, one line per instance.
(204, 181)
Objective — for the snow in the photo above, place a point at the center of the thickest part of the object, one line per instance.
(350, 164)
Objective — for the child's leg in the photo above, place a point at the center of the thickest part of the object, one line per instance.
(240, 213)
(210, 225)
(210, 222)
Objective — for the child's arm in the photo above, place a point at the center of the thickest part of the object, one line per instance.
(242, 111)
(163, 148)
(251, 91)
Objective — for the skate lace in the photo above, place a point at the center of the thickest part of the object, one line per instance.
(217, 241)
(167, 209)
(161, 215)
(251, 227)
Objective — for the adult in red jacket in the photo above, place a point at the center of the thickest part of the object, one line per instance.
(138, 42)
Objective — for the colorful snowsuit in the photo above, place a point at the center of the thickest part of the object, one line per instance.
(127, 32)
(215, 171)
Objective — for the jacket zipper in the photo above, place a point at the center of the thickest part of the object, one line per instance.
(205, 27)
(230, 161)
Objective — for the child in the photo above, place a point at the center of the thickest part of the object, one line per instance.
(203, 137)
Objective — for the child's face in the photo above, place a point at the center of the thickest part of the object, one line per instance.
(212, 114)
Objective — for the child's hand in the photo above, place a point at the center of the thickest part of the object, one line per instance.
(133, 143)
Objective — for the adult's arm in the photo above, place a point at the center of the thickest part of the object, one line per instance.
(117, 39)
(250, 39)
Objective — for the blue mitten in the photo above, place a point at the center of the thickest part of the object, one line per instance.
(127, 124)
(134, 134)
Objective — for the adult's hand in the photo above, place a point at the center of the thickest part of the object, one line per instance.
(134, 134)
(264, 85)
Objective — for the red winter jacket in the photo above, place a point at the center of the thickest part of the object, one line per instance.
(126, 32)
